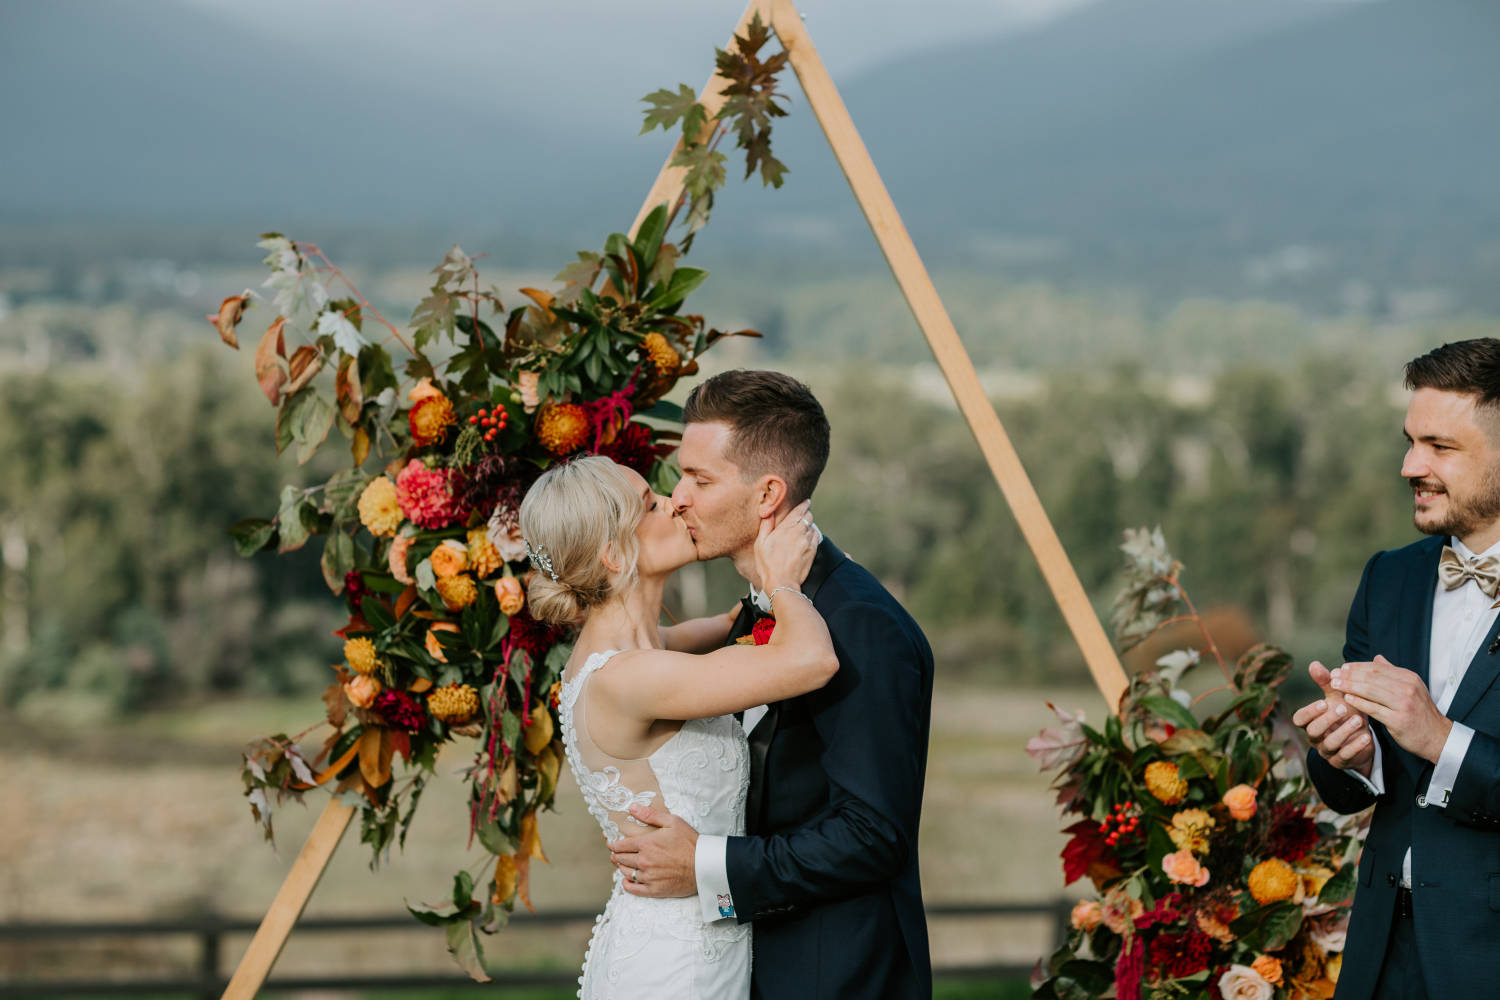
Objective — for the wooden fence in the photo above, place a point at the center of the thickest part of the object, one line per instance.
(207, 977)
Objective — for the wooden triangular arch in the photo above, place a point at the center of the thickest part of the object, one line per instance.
(916, 285)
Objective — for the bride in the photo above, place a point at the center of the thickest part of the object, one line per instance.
(647, 711)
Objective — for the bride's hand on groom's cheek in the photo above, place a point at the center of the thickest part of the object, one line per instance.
(659, 862)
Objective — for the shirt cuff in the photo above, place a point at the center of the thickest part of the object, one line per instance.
(710, 868)
(1376, 781)
(1445, 774)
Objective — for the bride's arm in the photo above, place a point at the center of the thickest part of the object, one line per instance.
(662, 684)
(699, 635)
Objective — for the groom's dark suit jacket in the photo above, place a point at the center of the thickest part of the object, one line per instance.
(1455, 849)
(829, 870)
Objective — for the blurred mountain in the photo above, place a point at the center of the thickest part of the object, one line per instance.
(1282, 147)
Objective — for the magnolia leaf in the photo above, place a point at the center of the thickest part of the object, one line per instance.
(1169, 710)
(648, 237)
(463, 945)
(684, 281)
(1186, 741)
(376, 614)
(228, 317)
(348, 390)
(1339, 888)
(251, 534)
(375, 757)
(359, 448)
(269, 356)
(338, 559)
(305, 363)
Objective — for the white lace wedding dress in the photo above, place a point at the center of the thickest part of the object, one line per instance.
(661, 949)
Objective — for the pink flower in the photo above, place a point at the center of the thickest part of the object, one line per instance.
(1241, 982)
(1058, 746)
(1240, 801)
(1328, 931)
(1181, 867)
(400, 545)
(1120, 910)
(426, 495)
(1087, 914)
(505, 535)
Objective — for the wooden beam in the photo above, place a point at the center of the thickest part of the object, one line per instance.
(290, 900)
(668, 185)
(951, 356)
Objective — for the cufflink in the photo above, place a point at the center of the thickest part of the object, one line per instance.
(726, 905)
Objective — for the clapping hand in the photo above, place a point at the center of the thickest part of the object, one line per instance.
(1339, 732)
(1399, 699)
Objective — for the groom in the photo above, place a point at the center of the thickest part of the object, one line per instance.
(828, 872)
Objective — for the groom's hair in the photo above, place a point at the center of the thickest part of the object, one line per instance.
(1471, 367)
(776, 425)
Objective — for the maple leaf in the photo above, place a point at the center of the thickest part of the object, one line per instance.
(1057, 747)
(345, 336)
(667, 109)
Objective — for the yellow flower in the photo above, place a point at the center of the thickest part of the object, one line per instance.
(1313, 880)
(484, 558)
(379, 511)
(1272, 881)
(454, 704)
(1163, 781)
(663, 357)
(1269, 968)
(457, 592)
(562, 428)
(430, 418)
(360, 655)
(449, 559)
(433, 646)
(1190, 829)
(510, 595)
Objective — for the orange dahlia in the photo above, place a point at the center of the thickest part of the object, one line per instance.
(457, 592)
(1164, 782)
(430, 418)
(562, 428)
(1272, 881)
(663, 358)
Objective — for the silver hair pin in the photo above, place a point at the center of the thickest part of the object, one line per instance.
(541, 560)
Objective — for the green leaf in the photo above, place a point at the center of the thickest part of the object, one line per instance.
(510, 728)
(291, 528)
(684, 281)
(493, 838)
(309, 417)
(1165, 708)
(666, 109)
(463, 945)
(338, 559)
(251, 534)
(648, 238)
(1340, 888)
(463, 889)
(375, 613)
(1270, 927)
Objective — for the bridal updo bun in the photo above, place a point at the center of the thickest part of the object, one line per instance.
(574, 514)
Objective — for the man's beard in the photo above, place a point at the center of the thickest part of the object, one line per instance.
(1465, 515)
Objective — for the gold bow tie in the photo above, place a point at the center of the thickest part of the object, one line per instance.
(1454, 569)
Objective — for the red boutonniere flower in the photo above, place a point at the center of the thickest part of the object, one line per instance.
(760, 633)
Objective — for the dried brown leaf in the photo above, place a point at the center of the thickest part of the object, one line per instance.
(228, 317)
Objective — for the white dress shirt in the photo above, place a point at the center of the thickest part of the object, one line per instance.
(1461, 618)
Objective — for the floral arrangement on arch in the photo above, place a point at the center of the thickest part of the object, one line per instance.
(1217, 873)
(421, 532)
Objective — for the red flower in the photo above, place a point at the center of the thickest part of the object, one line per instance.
(1292, 832)
(1179, 955)
(531, 635)
(1164, 912)
(762, 630)
(354, 588)
(632, 448)
(401, 710)
(1130, 967)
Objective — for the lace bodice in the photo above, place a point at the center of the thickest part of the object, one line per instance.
(661, 949)
(701, 774)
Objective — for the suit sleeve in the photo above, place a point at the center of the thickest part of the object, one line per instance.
(1475, 799)
(1341, 791)
(871, 720)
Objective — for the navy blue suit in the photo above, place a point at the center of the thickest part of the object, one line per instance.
(829, 870)
(1456, 848)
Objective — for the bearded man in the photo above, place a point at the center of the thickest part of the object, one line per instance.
(1410, 723)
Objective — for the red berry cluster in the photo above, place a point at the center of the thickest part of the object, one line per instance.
(1125, 820)
(493, 420)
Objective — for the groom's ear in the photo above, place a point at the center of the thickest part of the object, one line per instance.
(770, 495)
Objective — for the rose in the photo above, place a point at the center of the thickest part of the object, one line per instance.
(1087, 914)
(526, 385)
(1120, 910)
(761, 631)
(1240, 800)
(1268, 967)
(506, 537)
(1181, 867)
(1241, 982)
(1329, 930)
(449, 559)
(510, 595)
(362, 690)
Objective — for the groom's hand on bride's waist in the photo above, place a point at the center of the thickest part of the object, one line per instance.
(658, 862)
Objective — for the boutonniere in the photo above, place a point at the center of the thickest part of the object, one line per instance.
(760, 633)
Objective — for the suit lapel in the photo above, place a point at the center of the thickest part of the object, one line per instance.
(1483, 670)
(828, 559)
(1414, 623)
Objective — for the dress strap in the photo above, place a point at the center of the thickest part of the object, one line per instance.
(571, 688)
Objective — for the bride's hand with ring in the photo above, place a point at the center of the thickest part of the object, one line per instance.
(784, 552)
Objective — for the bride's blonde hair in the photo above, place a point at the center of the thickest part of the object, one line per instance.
(574, 514)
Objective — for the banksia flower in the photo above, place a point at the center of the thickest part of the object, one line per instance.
(360, 655)
(1272, 881)
(454, 704)
(430, 418)
(663, 357)
(562, 428)
(457, 592)
(1163, 781)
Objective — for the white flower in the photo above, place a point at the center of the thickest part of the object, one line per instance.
(505, 538)
(335, 324)
(1243, 983)
(1329, 930)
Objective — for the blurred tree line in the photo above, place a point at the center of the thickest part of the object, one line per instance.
(1273, 486)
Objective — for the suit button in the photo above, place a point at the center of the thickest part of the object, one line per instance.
(1390, 880)
(1422, 801)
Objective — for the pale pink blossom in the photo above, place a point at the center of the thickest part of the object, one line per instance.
(1181, 867)
(1058, 746)
(505, 535)
(1241, 982)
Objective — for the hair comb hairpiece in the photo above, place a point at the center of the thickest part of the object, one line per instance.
(541, 560)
